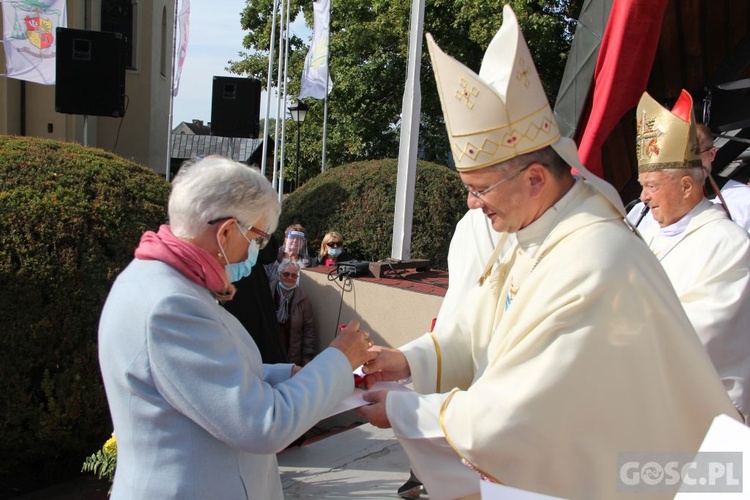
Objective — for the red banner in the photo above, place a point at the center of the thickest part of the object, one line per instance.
(622, 72)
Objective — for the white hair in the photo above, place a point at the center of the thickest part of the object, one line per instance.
(215, 188)
(698, 174)
(289, 262)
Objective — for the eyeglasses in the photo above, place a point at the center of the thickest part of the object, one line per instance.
(261, 240)
(334, 244)
(479, 194)
(289, 275)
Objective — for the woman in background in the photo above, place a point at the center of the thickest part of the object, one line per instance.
(294, 248)
(294, 314)
(332, 250)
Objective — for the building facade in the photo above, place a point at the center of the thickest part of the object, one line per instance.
(142, 134)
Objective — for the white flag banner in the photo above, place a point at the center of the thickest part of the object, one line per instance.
(29, 37)
(183, 20)
(315, 72)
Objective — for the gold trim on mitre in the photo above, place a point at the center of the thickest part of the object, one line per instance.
(666, 139)
(500, 113)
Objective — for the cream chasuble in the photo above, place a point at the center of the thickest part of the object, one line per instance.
(708, 263)
(574, 350)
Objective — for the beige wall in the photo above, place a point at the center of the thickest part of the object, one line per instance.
(145, 127)
(392, 315)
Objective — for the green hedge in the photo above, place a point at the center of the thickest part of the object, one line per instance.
(71, 218)
(358, 201)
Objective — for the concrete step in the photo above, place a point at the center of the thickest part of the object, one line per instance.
(363, 462)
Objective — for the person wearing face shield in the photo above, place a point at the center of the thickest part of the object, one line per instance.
(294, 249)
(332, 250)
(196, 412)
(294, 314)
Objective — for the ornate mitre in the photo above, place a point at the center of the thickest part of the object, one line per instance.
(666, 139)
(502, 112)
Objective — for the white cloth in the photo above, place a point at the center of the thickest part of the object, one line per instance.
(471, 246)
(315, 81)
(708, 264)
(183, 21)
(196, 413)
(737, 196)
(574, 350)
(647, 223)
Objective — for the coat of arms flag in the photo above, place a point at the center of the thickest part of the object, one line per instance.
(29, 38)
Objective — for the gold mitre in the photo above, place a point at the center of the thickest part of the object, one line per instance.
(500, 113)
(666, 139)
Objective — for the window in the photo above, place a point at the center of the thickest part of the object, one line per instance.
(163, 62)
(121, 16)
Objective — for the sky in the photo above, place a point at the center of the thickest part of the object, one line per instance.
(215, 39)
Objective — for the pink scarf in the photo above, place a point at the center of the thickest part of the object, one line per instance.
(192, 261)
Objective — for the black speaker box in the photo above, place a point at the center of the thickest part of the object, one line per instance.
(235, 106)
(90, 70)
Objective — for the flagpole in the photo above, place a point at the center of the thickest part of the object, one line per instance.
(409, 143)
(264, 156)
(325, 101)
(276, 141)
(168, 173)
(283, 123)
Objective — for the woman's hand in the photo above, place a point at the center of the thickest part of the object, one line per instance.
(355, 344)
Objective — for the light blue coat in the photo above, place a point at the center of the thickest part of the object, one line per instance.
(196, 413)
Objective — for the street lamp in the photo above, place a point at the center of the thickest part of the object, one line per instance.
(298, 113)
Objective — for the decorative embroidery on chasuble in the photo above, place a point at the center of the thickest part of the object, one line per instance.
(512, 291)
(439, 375)
(483, 474)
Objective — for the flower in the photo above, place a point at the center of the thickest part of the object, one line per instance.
(103, 462)
(110, 447)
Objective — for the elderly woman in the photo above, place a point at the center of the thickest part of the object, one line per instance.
(196, 413)
(294, 314)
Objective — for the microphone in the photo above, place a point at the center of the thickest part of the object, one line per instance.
(642, 214)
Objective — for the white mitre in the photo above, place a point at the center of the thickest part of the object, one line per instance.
(502, 112)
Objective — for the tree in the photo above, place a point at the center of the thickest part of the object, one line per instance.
(369, 44)
(72, 217)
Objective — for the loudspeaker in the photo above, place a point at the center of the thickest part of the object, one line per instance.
(235, 106)
(90, 73)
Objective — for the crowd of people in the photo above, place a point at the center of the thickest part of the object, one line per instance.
(273, 307)
(571, 331)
